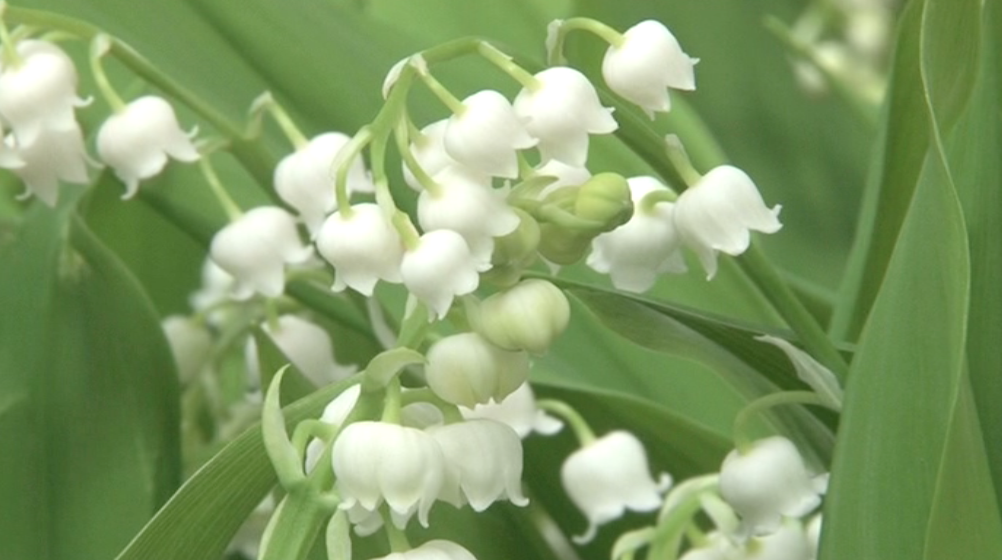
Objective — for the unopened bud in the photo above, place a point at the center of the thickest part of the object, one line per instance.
(605, 198)
(562, 246)
(528, 316)
(467, 370)
(514, 252)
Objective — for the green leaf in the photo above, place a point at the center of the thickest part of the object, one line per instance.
(909, 448)
(205, 513)
(89, 414)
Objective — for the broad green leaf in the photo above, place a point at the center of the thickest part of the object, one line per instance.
(909, 448)
(89, 413)
(972, 149)
(936, 48)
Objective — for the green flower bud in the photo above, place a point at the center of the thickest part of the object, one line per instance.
(514, 252)
(467, 370)
(562, 246)
(528, 316)
(605, 198)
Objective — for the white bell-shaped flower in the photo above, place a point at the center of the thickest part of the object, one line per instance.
(483, 463)
(648, 244)
(335, 413)
(487, 134)
(309, 348)
(429, 151)
(255, 249)
(468, 205)
(433, 550)
(55, 155)
(305, 179)
(467, 370)
(767, 482)
(719, 212)
(217, 286)
(608, 476)
(812, 531)
(649, 61)
(377, 461)
(566, 176)
(8, 157)
(440, 268)
(137, 140)
(561, 112)
(363, 247)
(519, 411)
(190, 343)
(788, 542)
(716, 547)
(39, 93)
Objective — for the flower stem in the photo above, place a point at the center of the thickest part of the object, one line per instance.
(285, 122)
(741, 440)
(443, 94)
(232, 209)
(10, 57)
(401, 135)
(577, 422)
(498, 58)
(560, 29)
(99, 46)
(342, 165)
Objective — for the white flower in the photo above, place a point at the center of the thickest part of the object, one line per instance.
(465, 369)
(487, 134)
(717, 547)
(528, 316)
(8, 157)
(377, 461)
(136, 141)
(190, 343)
(566, 176)
(255, 249)
(335, 413)
(519, 411)
(813, 534)
(363, 248)
(439, 268)
(55, 155)
(469, 206)
(483, 463)
(788, 542)
(39, 93)
(309, 348)
(561, 113)
(636, 252)
(433, 550)
(305, 179)
(767, 482)
(216, 287)
(648, 62)
(718, 213)
(609, 476)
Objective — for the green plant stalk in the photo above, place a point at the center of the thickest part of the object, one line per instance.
(295, 528)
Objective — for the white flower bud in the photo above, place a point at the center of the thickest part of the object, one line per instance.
(467, 370)
(566, 175)
(309, 348)
(609, 476)
(335, 413)
(363, 248)
(55, 155)
(519, 411)
(649, 61)
(468, 205)
(377, 461)
(561, 113)
(136, 141)
(305, 180)
(528, 316)
(718, 213)
(255, 249)
(483, 463)
(191, 344)
(767, 482)
(440, 268)
(648, 244)
(39, 94)
(788, 542)
(487, 134)
(433, 550)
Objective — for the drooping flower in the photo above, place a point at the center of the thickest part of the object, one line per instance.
(467, 370)
(636, 252)
(305, 179)
(608, 476)
(788, 542)
(334, 414)
(719, 212)
(433, 550)
(519, 411)
(255, 249)
(440, 268)
(470, 206)
(487, 134)
(716, 547)
(55, 155)
(483, 463)
(39, 93)
(561, 112)
(528, 316)
(377, 462)
(428, 149)
(769, 481)
(190, 343)
(362, 246)
(137, 140)
(309, 348)
(646, 64)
